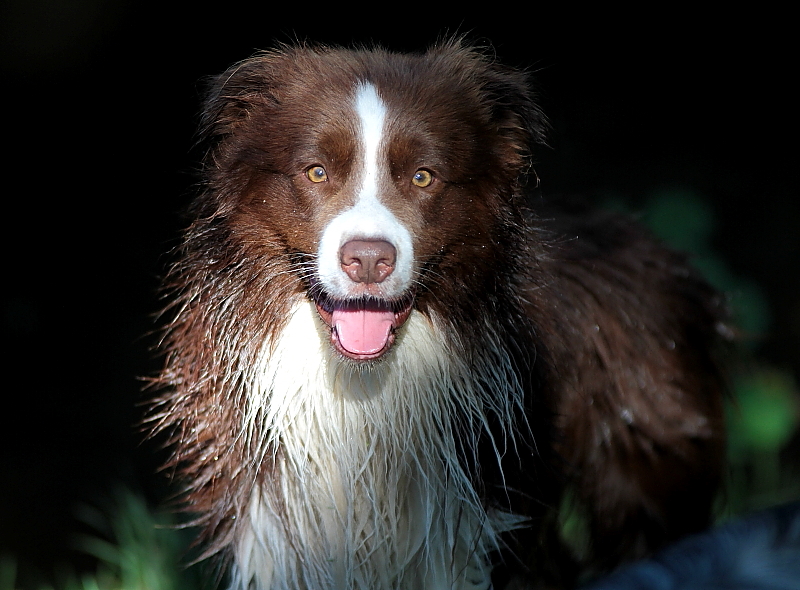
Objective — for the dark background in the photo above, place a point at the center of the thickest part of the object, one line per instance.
(99, 103)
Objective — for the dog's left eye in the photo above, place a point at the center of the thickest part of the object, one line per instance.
(317, 174)
(422, 178)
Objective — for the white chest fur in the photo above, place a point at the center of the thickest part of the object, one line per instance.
(371, 492)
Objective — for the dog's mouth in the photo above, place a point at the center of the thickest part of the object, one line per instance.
(366, 328)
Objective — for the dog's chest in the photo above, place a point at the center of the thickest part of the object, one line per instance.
(371, 491)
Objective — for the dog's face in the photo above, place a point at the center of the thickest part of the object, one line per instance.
(383, 177)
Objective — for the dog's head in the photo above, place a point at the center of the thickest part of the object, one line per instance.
(386, 181)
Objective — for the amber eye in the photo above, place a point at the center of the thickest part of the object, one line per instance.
(317, 174)
(422, 178)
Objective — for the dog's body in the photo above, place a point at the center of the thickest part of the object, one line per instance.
(387, 363)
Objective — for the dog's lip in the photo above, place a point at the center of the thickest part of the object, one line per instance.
(400, 308)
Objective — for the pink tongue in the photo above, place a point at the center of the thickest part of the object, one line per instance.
(363, 331)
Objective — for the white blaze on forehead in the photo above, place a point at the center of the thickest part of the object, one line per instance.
(368, 218)
(371, 113)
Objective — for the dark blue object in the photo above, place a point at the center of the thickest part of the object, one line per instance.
(759, 552)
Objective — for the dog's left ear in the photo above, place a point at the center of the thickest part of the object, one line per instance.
(514, 106)
(518, 118)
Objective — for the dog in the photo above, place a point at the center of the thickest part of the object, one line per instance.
(391, 360)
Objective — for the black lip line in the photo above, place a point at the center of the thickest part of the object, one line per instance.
(329, 304)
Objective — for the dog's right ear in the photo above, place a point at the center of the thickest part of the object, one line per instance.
(233, 95)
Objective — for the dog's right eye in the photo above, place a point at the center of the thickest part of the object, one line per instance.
(317, 174)
(422, 178)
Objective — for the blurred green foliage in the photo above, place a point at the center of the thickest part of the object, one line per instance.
(135, 550)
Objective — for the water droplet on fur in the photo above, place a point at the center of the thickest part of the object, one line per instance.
(627, 416)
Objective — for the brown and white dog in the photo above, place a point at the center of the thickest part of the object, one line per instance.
(388, 362)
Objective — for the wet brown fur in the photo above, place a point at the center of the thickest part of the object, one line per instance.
(612, 335)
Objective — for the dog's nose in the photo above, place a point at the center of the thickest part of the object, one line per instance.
(368, 261)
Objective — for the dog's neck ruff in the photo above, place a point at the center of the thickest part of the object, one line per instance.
(371, 491)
